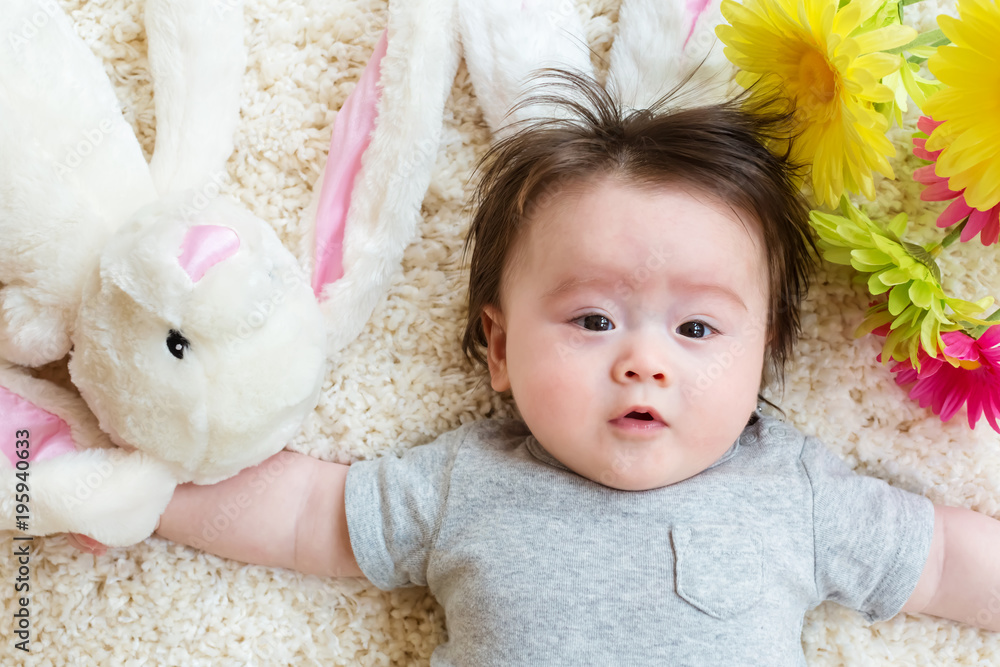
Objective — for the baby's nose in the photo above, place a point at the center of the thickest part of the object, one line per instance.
(659, 377)
(641, 364)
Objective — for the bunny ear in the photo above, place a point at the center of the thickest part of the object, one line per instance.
(58, 420)
(197, 61)
(77, 481)
(366, 204)
(506, 43)
(56, 93)
(660, 45)
(50, 435)
(71, 171)
(351, 135)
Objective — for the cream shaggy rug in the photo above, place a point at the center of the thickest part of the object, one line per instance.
(404, 380)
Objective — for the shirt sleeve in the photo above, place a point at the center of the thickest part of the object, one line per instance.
(871, 540)
(395, 506)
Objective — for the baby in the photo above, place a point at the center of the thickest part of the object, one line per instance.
(635, 275)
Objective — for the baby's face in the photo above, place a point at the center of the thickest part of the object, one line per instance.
(632, 331)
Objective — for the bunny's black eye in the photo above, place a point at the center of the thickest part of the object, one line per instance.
(177, 343)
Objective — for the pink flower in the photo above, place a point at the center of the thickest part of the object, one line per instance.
(974, 382)
(986, 223)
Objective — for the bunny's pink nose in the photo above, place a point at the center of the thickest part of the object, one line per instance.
(204, 246)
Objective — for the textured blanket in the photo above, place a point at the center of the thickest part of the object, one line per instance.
(404, 380)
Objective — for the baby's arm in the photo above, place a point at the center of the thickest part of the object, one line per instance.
(286, 512)
(961, 579)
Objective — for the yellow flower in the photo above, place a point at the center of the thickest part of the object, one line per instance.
(970, 105)
(827, 60)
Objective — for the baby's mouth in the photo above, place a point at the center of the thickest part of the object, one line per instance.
(640, 417)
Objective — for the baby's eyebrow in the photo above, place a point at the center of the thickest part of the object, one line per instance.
(716, 288)
(577, 282)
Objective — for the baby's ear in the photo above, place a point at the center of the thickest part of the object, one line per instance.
(495, 329)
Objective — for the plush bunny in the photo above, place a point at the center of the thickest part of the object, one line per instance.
(198, 342)
(660, 46)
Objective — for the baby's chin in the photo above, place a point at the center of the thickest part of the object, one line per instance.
(638, 480)
(624, 483)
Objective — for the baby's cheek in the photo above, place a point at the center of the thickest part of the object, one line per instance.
(556, 384)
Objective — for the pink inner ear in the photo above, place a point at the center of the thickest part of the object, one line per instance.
(20, 420)
(352, 130)
(204, 246)
(695, 8)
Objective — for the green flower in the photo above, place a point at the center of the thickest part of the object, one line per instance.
(906, 82)
(917, 309)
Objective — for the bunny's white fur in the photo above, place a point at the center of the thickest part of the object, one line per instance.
(256, 344)
(506, 43)
(76, 177)
(197, 364)
(91, 259)
(389, 191)
(99, 490)
(662, 45)
(203, 125)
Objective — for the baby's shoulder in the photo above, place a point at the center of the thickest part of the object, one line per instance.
(771, 444)
(772, 436)
(491, 434)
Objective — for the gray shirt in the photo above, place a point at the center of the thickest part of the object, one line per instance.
(536, 565)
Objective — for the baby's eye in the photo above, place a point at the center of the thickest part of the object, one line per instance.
(694, 329)
(595, 323)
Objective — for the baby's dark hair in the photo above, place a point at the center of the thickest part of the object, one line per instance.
(720, 149)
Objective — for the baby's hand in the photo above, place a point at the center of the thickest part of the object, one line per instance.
(86, 544)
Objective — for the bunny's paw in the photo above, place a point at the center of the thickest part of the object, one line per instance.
(32, 333)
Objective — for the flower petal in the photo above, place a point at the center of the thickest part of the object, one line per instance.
(899, 298)
(920, 294)
(938, 192)
(927, 125)
(991, 231)
(951, 401)
(960, 345)
(957, 211)
(927, 176)
(885, 38)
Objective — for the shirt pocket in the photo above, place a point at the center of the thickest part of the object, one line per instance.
(718, 568)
